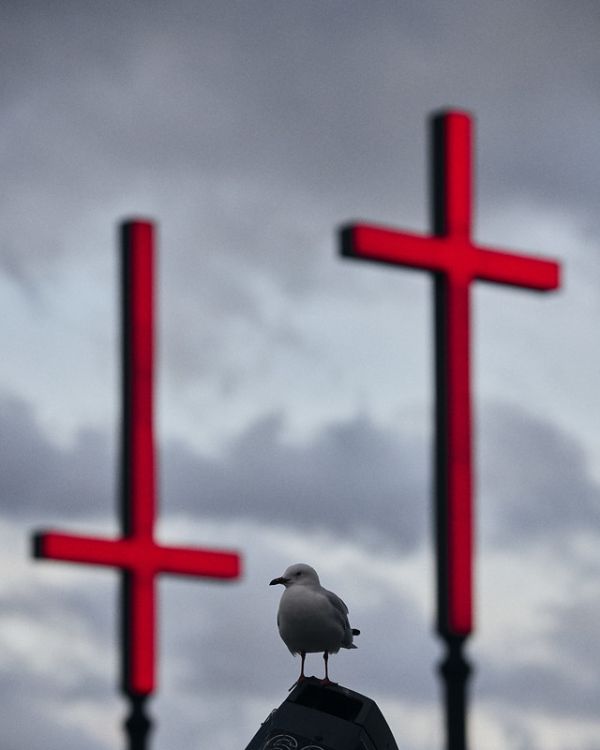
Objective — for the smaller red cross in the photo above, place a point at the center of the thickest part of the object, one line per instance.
(139, 557)
(455, 262)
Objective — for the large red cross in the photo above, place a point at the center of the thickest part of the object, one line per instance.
(455, 261)
(136, 553)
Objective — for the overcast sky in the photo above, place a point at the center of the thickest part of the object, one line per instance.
(294, 391)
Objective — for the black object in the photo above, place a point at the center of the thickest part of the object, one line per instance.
(138, 724)
(455, 670)
(324, 717)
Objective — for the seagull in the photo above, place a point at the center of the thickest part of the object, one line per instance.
(310, 618)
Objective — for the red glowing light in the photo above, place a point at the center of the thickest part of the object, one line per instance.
(455, 261)
(139, 557)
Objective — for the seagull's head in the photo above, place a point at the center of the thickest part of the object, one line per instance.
(298, 575)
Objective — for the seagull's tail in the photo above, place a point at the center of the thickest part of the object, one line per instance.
(347, 642)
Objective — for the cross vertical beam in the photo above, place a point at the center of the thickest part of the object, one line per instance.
(455, 261)
(136, 554)
(138, 475)
(451, 202)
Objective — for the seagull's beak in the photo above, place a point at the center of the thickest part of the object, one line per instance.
(281, 579)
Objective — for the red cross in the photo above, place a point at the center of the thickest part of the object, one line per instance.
(455, 261)
(136, 553)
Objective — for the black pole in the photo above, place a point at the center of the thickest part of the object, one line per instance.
(138, 724)
(455, 671)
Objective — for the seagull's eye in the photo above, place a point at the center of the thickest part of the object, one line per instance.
(298, 573)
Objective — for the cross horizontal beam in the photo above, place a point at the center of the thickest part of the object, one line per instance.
(141, 556)
(455, 256)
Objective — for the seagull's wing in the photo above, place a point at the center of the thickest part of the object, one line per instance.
(341, 611)
(337, 603)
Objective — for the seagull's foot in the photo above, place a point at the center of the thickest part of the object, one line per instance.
(326, 681)
(300, 679)
(304, 678)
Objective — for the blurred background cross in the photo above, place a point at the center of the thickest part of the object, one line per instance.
(455, 262)
(136, 553)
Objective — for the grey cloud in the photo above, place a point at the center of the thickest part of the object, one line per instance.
(39, 706)
(39, 476)
(574, 635)
(566, 684)
(285, 100)
(92, 605)
(251, 131)
(31, 720)
(535, 482)
(354, 478)
(544, 688)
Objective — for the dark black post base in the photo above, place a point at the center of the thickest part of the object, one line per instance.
(455, 671)
(138, 724)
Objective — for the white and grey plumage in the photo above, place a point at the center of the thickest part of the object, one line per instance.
(311, 619)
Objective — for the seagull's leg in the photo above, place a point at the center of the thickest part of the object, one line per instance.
(302, 675)
(326, 681)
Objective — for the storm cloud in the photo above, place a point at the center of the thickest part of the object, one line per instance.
(293, 391)
(536, 478)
